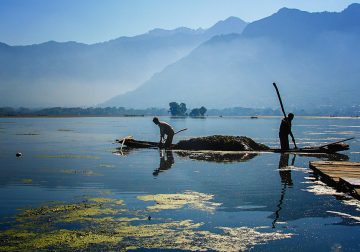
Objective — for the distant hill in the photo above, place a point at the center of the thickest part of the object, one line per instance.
(314, 58)
(75, 74)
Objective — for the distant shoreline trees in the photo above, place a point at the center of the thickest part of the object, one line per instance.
(177, 109)
(196, 112)
(181, 110)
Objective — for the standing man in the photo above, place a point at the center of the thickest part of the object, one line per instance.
(285, 131)
(165, 129)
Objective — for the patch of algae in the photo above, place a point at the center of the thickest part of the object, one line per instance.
(103, 224)
(71, 239)
(196, 200)
(106, 200)
(183, 236)
(107, 166)
(27, 181)
(92, 210)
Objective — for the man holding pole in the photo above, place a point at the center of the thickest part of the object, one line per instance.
(285, 131)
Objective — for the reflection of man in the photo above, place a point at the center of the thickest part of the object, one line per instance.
(285, 131)
(165, 129)
(165, 163)
(285, 175)
(284, 172)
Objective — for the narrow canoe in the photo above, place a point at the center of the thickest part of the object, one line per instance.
(329, 149)
(315, 149)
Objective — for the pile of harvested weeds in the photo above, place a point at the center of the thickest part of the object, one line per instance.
(222, 143)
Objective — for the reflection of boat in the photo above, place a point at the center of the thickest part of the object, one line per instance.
(228, 143)
(217, 156)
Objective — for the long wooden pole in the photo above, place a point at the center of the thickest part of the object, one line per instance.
(180, 131)
(278, 94)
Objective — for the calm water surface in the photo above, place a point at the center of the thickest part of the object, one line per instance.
(266, 202)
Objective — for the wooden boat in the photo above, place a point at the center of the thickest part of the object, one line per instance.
(132, 143)
(331, 148)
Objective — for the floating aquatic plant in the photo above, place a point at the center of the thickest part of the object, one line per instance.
(27, 181)
(107, 166)
(194, 200)
(106, 224)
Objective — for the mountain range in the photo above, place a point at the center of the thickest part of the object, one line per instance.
(76, 74)
(313, 57)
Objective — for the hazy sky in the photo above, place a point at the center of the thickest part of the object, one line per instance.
(25, 22)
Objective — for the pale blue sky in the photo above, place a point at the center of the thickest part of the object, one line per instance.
(25, 22)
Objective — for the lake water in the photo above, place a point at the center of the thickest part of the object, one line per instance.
(71, 191)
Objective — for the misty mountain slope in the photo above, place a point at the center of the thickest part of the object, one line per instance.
(68, 74)
(238, 70)
(300, 26)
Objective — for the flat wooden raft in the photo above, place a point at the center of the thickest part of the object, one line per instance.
(344, 175)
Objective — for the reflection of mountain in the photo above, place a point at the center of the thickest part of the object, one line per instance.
(78, 74)
(313, 56)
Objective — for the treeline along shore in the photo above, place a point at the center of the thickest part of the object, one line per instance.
(121, 111)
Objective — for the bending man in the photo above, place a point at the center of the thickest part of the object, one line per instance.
(285, 131)
(165, 129)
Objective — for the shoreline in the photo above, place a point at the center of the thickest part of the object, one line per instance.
(254, 117)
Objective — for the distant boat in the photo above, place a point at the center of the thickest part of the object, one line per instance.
(254, 117)
(131, 115)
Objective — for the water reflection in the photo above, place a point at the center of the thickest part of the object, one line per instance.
(325, 156)
(123, 151)
(231, 156)
(218, 156)
(285, 168)
(284, 171)
(286, 180)
(166, 161)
